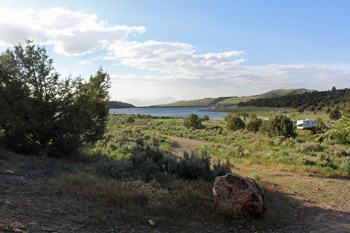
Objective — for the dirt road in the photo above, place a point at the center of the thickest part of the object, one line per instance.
(183, 144)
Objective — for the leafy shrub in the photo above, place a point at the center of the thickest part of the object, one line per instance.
(334, 114)
(255, 176)
(24, 147)
(341, 130)
(234, 123)
(130, 119)
(205, 118)
(327, 110)
(320, 126)
(280, 125)
(254, 125)
(307, 146)
(193, 121)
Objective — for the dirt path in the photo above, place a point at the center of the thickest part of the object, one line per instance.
(323, 203)
(183, 144)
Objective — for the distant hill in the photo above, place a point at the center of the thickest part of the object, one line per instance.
(208, 102)
(118, 104)
(315, 100)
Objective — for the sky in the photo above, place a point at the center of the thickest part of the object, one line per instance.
(160, 51)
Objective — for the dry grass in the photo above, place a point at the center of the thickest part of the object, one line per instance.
(141, 197)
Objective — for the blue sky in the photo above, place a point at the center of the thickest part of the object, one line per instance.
(162, 51)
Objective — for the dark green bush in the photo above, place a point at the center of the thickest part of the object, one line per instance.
(334, 114)
(234, 123)
(193, 121)
(130, 119)
(254, 125)
(205, 118)
(280, 125)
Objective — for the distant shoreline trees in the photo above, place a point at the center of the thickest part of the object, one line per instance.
(307, 101)
(118, 104)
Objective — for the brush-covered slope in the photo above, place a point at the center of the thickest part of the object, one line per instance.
(118, 104)
(207, 102)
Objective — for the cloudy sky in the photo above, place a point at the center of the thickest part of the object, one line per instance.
(160, 51)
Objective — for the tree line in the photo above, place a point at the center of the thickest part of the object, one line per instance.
(312, 101)
(118, 104)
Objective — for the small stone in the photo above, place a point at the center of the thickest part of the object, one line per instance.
(10, 172)
(16, 230)
(47, 229)
(151, 223)
(20, 178)
(8, 202)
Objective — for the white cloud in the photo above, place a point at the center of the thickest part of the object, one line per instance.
(181, 61)
(86, 62)
(173, 68)
(166, 57)
(72, 32)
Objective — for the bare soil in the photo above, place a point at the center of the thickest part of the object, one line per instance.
(185, 145)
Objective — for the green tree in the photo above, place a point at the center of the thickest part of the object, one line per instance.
(205, 118)
(254, 125)
(281, 125)
(301, 109)
(57, 115)
(130, 119)
(320, 126)
(193, 121)
(252, 116)
(327, 110)
(234, 123)
(335, 114)
(341, 130)
(243, 114)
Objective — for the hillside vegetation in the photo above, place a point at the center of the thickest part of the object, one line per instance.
(118, 104)
(310, 100)
(233, 100)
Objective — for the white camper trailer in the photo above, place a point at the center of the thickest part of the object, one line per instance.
(305, 124)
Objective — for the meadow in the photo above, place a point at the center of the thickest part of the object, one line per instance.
(300, 153)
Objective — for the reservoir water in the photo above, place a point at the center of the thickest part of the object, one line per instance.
(169, 111)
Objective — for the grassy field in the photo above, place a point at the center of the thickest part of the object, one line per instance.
(300, 153)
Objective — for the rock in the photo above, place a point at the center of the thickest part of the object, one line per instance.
(151, 223)
(16, 230)
(20, 178)
(10, 172)
(241, 195)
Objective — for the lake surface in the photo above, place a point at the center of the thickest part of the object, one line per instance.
(169, 111)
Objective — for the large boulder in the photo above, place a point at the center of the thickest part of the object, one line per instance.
(241, 195)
